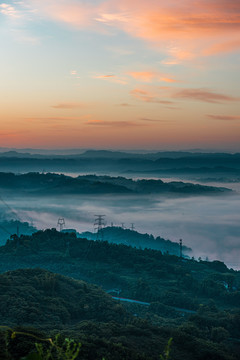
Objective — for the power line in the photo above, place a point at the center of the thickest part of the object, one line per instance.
(180, 248)
(61, 223)
(99, 224)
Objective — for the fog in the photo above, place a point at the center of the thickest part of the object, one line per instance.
(210, 225)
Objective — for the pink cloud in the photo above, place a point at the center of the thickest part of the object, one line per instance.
(103, 76)
(148, 97)
(112, 78)
(224, 117)
(189, 27)
(162, 94)
(150, 76)
(69, 105)
(203, 95)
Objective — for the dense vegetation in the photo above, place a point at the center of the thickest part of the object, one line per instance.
(195, 302)
(55, 184)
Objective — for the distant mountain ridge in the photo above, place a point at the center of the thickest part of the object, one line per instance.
(119, 162)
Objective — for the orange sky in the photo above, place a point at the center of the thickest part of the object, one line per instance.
(120, 74)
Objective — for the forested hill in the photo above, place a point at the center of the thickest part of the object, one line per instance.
(118, 235)
(195, 302)
(55, 184)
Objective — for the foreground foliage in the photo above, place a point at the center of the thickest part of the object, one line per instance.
(194, 302)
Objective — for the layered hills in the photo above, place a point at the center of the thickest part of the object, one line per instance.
(187, 164)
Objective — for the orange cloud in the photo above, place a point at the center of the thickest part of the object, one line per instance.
(149, 76)
(182, 23)
(229, 46)
(191, 27)
(224, 117)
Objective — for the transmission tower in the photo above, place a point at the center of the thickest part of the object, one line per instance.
(123, 226)
(61, 223)
(99, 224)
(132, 227)
(180, 248)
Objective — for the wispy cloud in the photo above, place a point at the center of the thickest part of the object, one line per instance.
(69, 105)
(9, 10)
(124, 105)
(148, 97)
(159, 22)
(223, 47)
(103, 76)
(150, 76)
(58, 118)
(224, 117)
(204, 95)
(153, 120)
(11, 133)
(114, 123)
(162, 94)
(111, 77)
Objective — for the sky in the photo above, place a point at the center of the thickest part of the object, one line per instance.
(120, 74)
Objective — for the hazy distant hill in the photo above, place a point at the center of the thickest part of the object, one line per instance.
(103, 161)
(9, 227)
(118, 235)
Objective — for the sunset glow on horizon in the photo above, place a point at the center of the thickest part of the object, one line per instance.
(139, 74)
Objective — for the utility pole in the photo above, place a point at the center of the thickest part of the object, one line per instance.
(123, 226)
(99, 224)
(180, 248)
(61, 223)
(132, 227)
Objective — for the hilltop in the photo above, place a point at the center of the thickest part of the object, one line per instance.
(118, 235)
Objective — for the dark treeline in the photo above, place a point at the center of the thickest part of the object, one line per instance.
(195, 302)
(55, 184)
